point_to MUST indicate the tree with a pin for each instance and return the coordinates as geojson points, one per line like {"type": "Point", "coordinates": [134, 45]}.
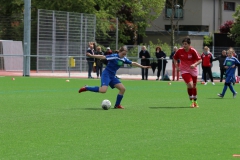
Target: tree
{"type": "Point", "coordinates": [11, 26]}
{"type": "Point", "coordinates": [235, 30]}
{"type": "Point", "coordinates": [225, 28]}
{"type": "Point", "coordinates": [134, 16]}
{"type": "Point", "coordinates": [207, 40]}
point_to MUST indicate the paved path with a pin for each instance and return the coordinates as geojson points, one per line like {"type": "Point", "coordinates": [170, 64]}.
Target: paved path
{"type": "Point", "coordinates": [75, 75]}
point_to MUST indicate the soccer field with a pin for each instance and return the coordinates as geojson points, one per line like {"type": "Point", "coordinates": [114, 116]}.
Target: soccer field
{"type": "Point", "coordinates": [46, 118]}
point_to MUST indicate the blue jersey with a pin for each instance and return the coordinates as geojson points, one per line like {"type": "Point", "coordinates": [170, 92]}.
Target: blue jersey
{"type": "Point", "coordinates": [230, 62]}
{"type": "Point", "coordinates": [115, 62]}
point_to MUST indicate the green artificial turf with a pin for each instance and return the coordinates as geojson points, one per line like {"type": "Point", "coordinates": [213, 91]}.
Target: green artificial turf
{"type": "Point", "coordinates": [46, 118]}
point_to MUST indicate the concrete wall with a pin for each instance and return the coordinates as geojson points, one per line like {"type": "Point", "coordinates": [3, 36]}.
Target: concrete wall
{"type": "Point", "coordinates": [15, 62]}
{"type": "Point", "coordinates": [197, 43]}
{"type": "Point", "coordinates": [207, 13]}
{"type": "Point", "coordinates": [192, 13]}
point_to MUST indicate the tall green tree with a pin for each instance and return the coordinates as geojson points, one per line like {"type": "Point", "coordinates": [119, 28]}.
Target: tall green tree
{"type": "Point", "coordinates": [235, 30]}
{"type": "Point", "coordinates": [134, 16]}
{"type": "Point", "coordinates": [11, 25]}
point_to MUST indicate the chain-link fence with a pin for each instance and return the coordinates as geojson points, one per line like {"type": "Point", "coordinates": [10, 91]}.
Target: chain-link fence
{"type": "Point", "coordinates": [63, 34]}
{"type": "Point", "coordinates": [56, 36]}
{"type": "Point", "coordinates": [13, 60]}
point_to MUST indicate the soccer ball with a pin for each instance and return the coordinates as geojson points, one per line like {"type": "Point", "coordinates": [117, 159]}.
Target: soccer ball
{"type": "Point", "coordinates": [106, 104]}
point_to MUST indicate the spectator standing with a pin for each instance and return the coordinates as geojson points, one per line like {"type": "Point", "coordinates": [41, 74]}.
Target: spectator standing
{"type": "Point", "coordinates": [108, 52]}
{"type": "Point", "coordinates": [161, 61]}
{"type": "Point", "coordinates": [144, 55]}
{"type": "Point", "coordinates": [99, 64]}
{"type": "Point", "coordinates": [90, 60]}
{"type": "Point", "coordinates": [221, 60]}
{"type": "Point", "coordinates": [174, 70]}
{"type": "Point", "coordinates": [207, 59]}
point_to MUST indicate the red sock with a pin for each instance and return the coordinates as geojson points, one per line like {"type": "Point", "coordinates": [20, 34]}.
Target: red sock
{"type": "Point", "coordinates": [194, 90]}
{"type": "Point", "coordinates": [190, 92]}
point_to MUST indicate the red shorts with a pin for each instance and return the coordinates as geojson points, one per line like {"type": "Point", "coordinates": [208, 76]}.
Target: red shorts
{"type": "Point", "coordinates": [187, 77]}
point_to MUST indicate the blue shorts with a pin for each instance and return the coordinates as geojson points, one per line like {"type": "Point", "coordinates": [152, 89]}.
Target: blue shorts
{"type": "Point", "coordinates": [230, 79]}
{"type": "Point", "coordinates": [109, 80]}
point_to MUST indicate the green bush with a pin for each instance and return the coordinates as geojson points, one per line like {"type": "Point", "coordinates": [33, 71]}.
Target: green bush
{"type": "Point", "coordinates": [207, 40]}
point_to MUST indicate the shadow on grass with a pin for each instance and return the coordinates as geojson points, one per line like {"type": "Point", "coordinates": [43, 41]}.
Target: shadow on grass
{"type": "Point", "coordinates": [216, 98]}
{"type": "Point", "coordinates": [92, 109]}
{"type": "Point", "coordinates": [169, 107]}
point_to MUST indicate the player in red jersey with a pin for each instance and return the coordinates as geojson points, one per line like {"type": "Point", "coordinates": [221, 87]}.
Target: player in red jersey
{"type": "Point", "coordinates": [189, 59]}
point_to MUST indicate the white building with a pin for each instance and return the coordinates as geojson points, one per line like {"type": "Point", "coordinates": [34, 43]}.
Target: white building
{"type": "Point", "coordinates": [196, 19]}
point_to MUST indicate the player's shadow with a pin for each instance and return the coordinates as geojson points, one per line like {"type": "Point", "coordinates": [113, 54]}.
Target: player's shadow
{"type": "Point", "coordinates": [90, 109]}
{"type": "Point", "coordinates": [215, 98]}
{"type": "Point", "coordinates": [169, 107]}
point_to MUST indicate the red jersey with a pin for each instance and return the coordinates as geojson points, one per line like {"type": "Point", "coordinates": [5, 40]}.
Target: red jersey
{"type": "Point", "coordinates": [186, 60]}
{"type": "Point", "coordinates": [206, 60]}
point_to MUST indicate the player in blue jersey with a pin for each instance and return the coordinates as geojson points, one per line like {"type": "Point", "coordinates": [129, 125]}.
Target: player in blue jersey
{"type": "Point", "coordinates": [115, 61]}
{"type": "Point", "coordinates": [230, 64]}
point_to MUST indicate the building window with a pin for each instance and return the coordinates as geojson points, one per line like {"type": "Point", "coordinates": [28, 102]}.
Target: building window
{"type": "Point", "coordinates": [174, 7]}
{"type": "Point", "coordinates": [229, 6]}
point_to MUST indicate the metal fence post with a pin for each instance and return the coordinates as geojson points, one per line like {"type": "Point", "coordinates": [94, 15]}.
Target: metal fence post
{"type": "Point", "coordinates": [53, 39]}
{"type": "Point", "coordinates": [81, 40]}
{"type": "Point", "coordinates": [94, 29]}
{"type": "Point", "coordinates": [162, 70]}
{"type": "Point", "coordinates": [38, 41]}
{"type": "Point", "coordinates": [27, 37]}
{"type": "Point", "coordinates": [116, 33]}
{"type": "Point", "coordinates": [67, 47]}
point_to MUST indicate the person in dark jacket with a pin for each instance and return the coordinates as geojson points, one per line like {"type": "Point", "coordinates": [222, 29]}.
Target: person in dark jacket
{"type": "Point", "coordinates": [221, 60]}
{"type": "Point", "coordinates": [90, 60]}
{"type": "Point", "coordinates": [161, 61]}
{"type": "Point", "coordinates": [173, 65]}
{"type": "Point", "coordinates": [108, 52]}
{"type": "Point", "coordinates": [207, 59]}
{"type": "Point", "coordinates": [99, 64]}
{"type": "Point", "coordinates": [144, 55]}
{"type": "Point", "coordinates": [239, 66]}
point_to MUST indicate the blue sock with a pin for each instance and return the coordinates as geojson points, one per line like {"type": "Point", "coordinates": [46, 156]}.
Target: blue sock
{"type": "Point", "coordinates": [119, 99]}
{"type": "Point", "coordinates": [93, 89]}
{"type": "Point", "coordinates": [231, 88]}
{"type": "Point", "coordinates": [224, 90]}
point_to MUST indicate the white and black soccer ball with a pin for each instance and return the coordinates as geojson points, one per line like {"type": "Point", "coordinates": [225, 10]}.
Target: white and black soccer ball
{"type": "Point", "coordinates": [106, 104]}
